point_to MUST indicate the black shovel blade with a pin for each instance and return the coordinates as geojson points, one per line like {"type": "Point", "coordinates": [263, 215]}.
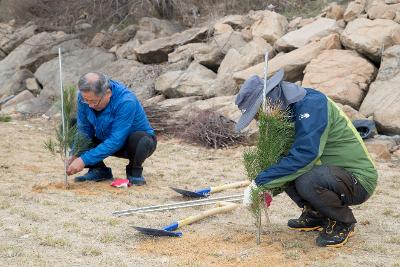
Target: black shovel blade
{"type": "Point", "coordinates": [157, 232]}
{"type": "Point", "coordinates": [187, 193]}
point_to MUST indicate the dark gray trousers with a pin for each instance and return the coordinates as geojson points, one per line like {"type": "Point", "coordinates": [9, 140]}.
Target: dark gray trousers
{"type": "Point", "coordinates": [329, 190]}
{"type": "Point", "coordinates": [138, 146]}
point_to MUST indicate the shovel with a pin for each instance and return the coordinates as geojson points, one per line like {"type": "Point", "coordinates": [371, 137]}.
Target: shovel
{"type": "Point", "coordinates": [205, 192]}
{"type": "Point", "coordinates": [168, 230]}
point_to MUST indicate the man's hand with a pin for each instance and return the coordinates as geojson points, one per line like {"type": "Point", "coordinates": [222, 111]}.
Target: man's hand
{"type": "Point", "coordinates": [70, 160]}
{"type": "Point", "coordinates": [76, 166]}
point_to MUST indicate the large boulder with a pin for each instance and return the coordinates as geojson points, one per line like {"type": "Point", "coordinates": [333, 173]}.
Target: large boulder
{"type": "Point", "coordinates": [293, 62]}
{"type": "Point", "coordinates": [320, 28]}
{"type": "Point", "coordinates": [237, 60]}
{"type": "Point", "coordinates": [10, 38]}
{"type": "Point", "coordinates": [136, 76]}
{"type": "Point", "coordinates": [378, 9]}
{"type": "Point", "coordinates": [383, 98]}
{"type": "Point", "coordinates": [269, 25]}
{"type": "Point", "coordinates": [156, 51]}
{"type": "Point", "coordinates": [16, 83]}
{"type": "Point", "coordinates": [343, 75]}
{"type": "Point", "coordinates": [195, 81]}
{"type": "Point", "coordinates": [37, 48]}
{"type": "Point", "coordinates": [75, 64]}
{"type": "Point", "coordinates": [368, 37]}
{"type": "Point", "coordinates": [209, 54]}
{"type": "Point", "coordinates": [11, 106]}
{"type": "Point", "coordinates": [153, 28]}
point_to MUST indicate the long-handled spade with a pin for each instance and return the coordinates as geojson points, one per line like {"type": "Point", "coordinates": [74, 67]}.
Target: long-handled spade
{"type": "Point", "coordinates": [168, 230]}
{"type": "Point", "coordinates": [205, 192]}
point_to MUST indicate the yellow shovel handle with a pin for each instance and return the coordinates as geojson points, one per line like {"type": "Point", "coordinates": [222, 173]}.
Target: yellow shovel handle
{"type": "Point", "coordinates": [220, 188]}
{"type": "Point", "coordinates": [221, 208]}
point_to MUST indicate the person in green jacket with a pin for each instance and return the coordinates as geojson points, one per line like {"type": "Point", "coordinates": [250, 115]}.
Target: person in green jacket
{"type": "Point", "coordinates": [328, 167]}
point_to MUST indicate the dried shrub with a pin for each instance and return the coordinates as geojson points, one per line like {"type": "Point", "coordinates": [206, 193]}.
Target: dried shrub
{"type": "Point", "coordinates": [211, 129]}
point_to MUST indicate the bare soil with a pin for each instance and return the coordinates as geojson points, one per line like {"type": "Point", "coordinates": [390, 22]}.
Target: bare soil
{"type": "Point", "coordinates": [44, 224]}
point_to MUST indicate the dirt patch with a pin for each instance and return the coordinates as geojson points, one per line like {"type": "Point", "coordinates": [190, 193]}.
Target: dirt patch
{"type": "Point", "coordinates": [85, 188]}
{"type": "Point", "coordinates": [236, 249]}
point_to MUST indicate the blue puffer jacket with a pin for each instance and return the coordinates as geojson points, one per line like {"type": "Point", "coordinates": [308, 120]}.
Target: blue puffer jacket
{"type": "Point", "coordinates": [122, 116]}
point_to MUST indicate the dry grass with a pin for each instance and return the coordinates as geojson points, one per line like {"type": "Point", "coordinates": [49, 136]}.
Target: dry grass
{"type": "Point", "coordinates": [79, 229]}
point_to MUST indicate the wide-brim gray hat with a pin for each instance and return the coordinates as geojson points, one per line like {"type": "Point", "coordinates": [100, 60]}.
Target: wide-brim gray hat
{"type": "Point", "coordinates": [250, 97]}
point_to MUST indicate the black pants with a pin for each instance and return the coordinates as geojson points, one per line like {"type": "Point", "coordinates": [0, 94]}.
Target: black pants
{"type": "Point", "coordinates": [138, 146]}
{"type": "Point", "coordinates": [329, 190]}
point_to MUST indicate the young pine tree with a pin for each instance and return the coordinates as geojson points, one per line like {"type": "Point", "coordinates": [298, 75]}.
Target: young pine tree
{"type": "Point", "coordinates": [68, 141]}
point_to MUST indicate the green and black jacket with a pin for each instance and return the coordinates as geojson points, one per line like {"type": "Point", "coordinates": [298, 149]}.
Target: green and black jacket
{"type": "Point", "coordinates": [323, 135]}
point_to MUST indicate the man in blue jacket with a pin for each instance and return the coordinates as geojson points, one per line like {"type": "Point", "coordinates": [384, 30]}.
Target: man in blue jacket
{"type": "Point", "coordinates": [112, 117]}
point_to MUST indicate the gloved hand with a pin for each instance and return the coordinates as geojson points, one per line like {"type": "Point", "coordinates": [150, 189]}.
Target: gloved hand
{"type": "Point", "coordinates": [247, 194]}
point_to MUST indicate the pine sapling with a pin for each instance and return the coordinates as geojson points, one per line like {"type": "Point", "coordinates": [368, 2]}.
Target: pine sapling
{"type": "Point", "coordinates": [276, 134]}
{"type": "Point", "coordinates": [69, 142]}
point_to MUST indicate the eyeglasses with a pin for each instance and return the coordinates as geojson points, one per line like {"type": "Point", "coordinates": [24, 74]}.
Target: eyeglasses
{"type": "Point", "coordinates": [91, 102]}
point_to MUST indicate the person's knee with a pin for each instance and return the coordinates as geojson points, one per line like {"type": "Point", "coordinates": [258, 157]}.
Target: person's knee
{"type": "Point", "coordinates": [306, 183]}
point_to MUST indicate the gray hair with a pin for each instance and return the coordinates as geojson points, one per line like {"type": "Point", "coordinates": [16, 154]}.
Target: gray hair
{"type": "Point", "coordinates": [95, 82]}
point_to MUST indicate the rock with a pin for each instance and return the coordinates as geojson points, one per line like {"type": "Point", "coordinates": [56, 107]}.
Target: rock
{"type": "Point", "coordinates": [380, 10]}
{"type": "Point", "coordinates": [294, 24]}
{"type": "Point", "coordinates": [101, 39]}
{"type": "Point", "coordinates": [220, 28]}
{"type": "Point", "coordinates": [351, 112]}
{"type": "Point", "coordinates": [392, 2]}
{"type": "Point", "coordinates": [195, 81]}
{"type": "Point", "coordinates": [75, 64]}
{"type": "Point", "coordinates": [32, 85]}
{"type": "Point", "coordinates": [16, 84]}
{"type": "Point", "coordinates": [379, 149]}
{"type": "Point", "coordinates": [34, 61]}
{"type": "Point", "coordinates": [11, 39]}
{"type": "Point", "coordinates": [269, 25]}
{"type": "Point", "coordinates": [177, 103]}
{"type": "Point", "coordinates": [334, 11]}
{"type": "Point", "coordinates": [234, 21]}
{"type": "Point", "coordinates": [343, 75]}
{"type": "Point", "coordinates": [136, 76]}
{"type": "Point", "coordinates": [354, 10]}
{"type": "Point", "coordinates": [293, 62]}
{"type": "Point", "coordinates": [10, 106]}
{"type": "Point", "coordinates": [383, 98]}
{"type": "Point", "coordinates": [369, 36]}
{"type": "Point", "coordinates": [120, 37]}
{"type": "Point", "coordinates": [33, 106]}
{"type": "Point", "coordinates": [251, 54]}
{"type": "Point", "coordinates": [154, 100]}
{"type": "Point", "coordinates": [208, 54]}
{"type": "Point", "coordinates": [127, 50]}
{"type": "Point", "coordinates": [29, 51]}
{"type": "Point", "coordinates": [299, 38]}
{"type": "Point", "coordinates": [157, 51]}
{"type": "Point", "coordinates": [153, 28]}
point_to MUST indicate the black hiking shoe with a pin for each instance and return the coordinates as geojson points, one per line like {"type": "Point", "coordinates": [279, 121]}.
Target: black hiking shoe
{"type": "Point", "coordinates": [96, 175]}
{"type": "Point", "coordinates": [309, 220]}
{"type": "Point", "coordinates": [335, 234]}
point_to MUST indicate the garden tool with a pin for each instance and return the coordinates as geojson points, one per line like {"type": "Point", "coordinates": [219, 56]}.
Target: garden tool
{"type": "Point", "coordinates": [168, 230]}
{"type": "Point", "coordinates": [205, 192]}
{"type": "Point", "coordinates": [178, 205]}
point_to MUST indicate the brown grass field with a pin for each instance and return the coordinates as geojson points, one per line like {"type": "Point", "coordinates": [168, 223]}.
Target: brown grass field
{"type": "Point", "coordinates": [44, 224]}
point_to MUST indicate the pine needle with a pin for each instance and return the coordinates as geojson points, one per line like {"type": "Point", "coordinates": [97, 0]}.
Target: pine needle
{"type": "Point", "coordinates": [276, 134]}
